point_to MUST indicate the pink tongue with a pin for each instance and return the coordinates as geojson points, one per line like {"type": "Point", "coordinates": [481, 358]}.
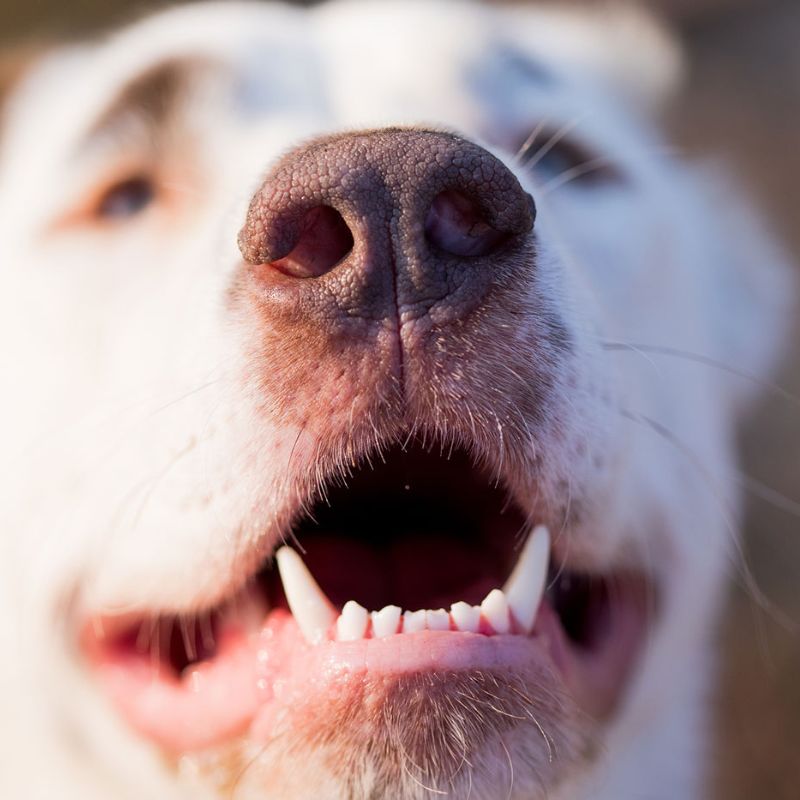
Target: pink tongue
{"type": "Point", "coordinates": [417, 571]}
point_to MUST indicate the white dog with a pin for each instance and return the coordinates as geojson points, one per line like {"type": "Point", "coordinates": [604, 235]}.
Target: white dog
{"type": "Point", "coordinates": [416, 289]}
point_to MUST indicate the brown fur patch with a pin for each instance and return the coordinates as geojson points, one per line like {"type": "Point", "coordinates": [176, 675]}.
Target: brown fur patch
{"type": "Point", "coordinates": [154, 95]}
{"type": "Point", "coordinates": [15, 62]}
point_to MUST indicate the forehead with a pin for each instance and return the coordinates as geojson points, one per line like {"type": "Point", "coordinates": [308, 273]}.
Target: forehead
{"type": "Point", "coordinates": [345, 64]}
{"type": "Point", "coordinates": [361, 62]}
{"type": "Point", "coordinates": [351, 60]}
{"type": "Point", "coordinates": [429, 58]}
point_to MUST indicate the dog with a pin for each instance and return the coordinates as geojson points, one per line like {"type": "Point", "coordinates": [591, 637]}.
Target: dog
{"type": "Point", "coordinates": [361, 432]}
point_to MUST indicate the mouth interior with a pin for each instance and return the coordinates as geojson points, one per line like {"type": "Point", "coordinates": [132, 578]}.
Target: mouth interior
{"type": "Point", "coordinates": [416, 529]}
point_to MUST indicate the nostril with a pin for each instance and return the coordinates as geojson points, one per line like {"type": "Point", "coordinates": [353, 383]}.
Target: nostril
{"type": "Point", "coordinates": [456, 225]}
{"type": "Point", "coordinates": [323, 241]}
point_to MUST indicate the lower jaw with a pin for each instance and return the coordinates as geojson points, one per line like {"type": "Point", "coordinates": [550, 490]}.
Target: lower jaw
{"type": "Point", "coordinates": [261, 680]}
{"type": "Point", "coordinates": [357, 730]}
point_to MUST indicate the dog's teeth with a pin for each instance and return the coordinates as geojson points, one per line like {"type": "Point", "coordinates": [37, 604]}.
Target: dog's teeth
{"type": "Point", "coordinates": [352, 624]}
{"type": "Point", "coordinates": [437, 620]}
{"type": "Point", "coordinates": [525, 587]}
{"type": "Point", "coordinates": [495, 609]}
{"type": "Point", "coordinates": [310, 606]}
{"type": "Point", "coordinates": [465, 616]}
{"type": "Point", "coordinates": [385, 622]}
{"type": "Point", "coordinates": [414, 621]}
{"type": "Point", "coordinates": [519, 600]}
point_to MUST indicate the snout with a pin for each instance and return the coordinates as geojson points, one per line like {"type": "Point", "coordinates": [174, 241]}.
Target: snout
{"type": "Point", "coordinates": [386, 269]}
{"type": "Point", "coordinates": [385, 224]}
{"type": "Point", "coordinates": [391, 303]}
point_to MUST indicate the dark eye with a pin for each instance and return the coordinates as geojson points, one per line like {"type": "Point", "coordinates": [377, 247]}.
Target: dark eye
{"type": "Point", "coordinates": [557, 160]}
{"type": "Point", "coordinates": [127, 198]}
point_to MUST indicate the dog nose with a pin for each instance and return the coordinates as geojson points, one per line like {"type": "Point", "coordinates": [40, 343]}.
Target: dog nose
{"type": "Point", "coordinates": [386, 223]}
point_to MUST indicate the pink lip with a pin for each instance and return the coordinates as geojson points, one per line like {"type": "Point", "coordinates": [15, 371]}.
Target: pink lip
{"type": "Point", "coordinates": [255, 677]}
{"type": "Point", "coordinates": [260, 673]}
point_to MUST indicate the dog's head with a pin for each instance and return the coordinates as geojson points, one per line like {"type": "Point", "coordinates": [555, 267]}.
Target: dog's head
{"type": "Point", "coordinates": [416, 289]}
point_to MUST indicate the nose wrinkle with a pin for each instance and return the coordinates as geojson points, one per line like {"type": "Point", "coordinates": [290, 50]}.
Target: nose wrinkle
{"type": "Point", "coordinates": [415, 311]}
{"type": "Point", "coordinates": [428, 321]}
{"type": "Point", "coordinates": [384, 184]}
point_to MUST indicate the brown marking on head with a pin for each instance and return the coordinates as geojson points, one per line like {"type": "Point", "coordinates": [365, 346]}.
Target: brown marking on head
{"type": "Point", "coordinates": [154, 96]}
{"type": "Point", "coordinates": [15, 63]}
{"type": "Point", "coordinates": [149, 145]}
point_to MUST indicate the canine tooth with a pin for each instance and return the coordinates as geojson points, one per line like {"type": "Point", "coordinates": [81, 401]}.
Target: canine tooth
{"type": "Point", "coordinates": [495, 608]}
{"type": "Point", "coordinates": [352, 624]}
{"type": "Point", "coordinates": [437, 620]}
{"type": "Point", "coordinates": [386, 621]}
{"type": "Point", "coordinates": [525, 587]}
{"type": "Point", "coordinates": [310, 606]}
{"type": "Point", "coordinates": [414, 621]}
{"type": "Point", "coordinates": [465, 616]}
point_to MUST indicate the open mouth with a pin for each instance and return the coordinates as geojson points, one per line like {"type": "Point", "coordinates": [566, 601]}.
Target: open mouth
{"type": "Point", "coordinates": [420, 563]}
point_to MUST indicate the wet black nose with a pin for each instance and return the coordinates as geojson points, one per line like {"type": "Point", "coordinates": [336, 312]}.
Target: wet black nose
{"type": "Point", "coordinates": [391, 222]}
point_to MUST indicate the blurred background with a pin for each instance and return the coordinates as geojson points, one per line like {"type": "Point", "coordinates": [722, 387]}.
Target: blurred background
{"type": "Point", "coordinates": [741, 103]}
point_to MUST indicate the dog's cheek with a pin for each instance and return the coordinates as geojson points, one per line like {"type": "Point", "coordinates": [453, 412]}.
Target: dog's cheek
{"type": "Point", "coordinates": [119, 416]}
{"type": "Point", "coordinates": [755, 288]}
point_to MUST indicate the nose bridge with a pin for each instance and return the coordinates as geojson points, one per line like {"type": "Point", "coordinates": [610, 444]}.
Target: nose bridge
{"type": "Point", "coordinates": [429, 216]}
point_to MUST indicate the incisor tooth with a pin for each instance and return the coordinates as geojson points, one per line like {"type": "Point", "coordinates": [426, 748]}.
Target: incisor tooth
{"type": "Point", "coordinates": [414, 621]}
{"type": "Point", "coordinates": [465, 616]}
{"type": "Point", "coordinates": [386, 621]}
{"type": "Point", "coordinates": [309, 605]}
{"type": "Point", "coordinates": [495, 609]}
{"type": "Point", "coordinates": [525, 587]}
{"type": "Point", "coordinates": [437, 620]}
{"type": "Point", "coordinates": [352, 624]}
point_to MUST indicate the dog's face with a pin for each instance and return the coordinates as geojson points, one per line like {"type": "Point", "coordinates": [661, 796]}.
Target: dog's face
{"type": "Point", "coordinates": [242, 311]}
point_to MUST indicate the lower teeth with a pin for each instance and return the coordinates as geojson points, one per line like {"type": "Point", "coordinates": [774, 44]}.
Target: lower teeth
{"type": "Point", "coordinates": [510, 610]}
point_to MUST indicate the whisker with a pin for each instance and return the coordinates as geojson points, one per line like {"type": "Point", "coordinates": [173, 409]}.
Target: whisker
{"type": "Point", "coordinates": [185, 396]}
{"type": "Point", "coordinates": [207, 631]}
{"type": "Point", "coordinates": [155, 647]}
{"type": "Point", "coordinates": [728, 516]}
{"type": "Point", "coordinates": [574, 173]}
{"type": "Point", "coordinates": [529, 142]}
{"type": "Point", "coordinates": [709, 361]}
{"type": "Point", "coordinates": [182, 188]}
{"type": "Point", "coordinates": [510, 769]}
{"type": "Point", "coordinates": [188, 636]}
{"type": "Point", "coordinates": [753, 485]}
{"type": "Point", "coordinates": [769, 495]}
{"type": "Point", "coordinates": [553, 141]}
{"type": "Point", "coordinates": [145, 635]}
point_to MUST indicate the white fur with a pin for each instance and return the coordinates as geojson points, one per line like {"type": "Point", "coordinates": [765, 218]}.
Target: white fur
{"type": "Point", "coordinates": [122, 419]}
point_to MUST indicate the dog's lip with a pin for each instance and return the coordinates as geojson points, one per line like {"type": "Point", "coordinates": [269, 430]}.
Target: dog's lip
{"type": "Point", "coordinates": [262, 674]}
{"type": "Point", "coordinates": [258, 677]}
{"type": "Point", "coordinates": [261, 666]}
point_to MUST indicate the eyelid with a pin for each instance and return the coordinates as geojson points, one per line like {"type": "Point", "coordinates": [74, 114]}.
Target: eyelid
{"type": "Point", "coordinates": [84, 208]}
